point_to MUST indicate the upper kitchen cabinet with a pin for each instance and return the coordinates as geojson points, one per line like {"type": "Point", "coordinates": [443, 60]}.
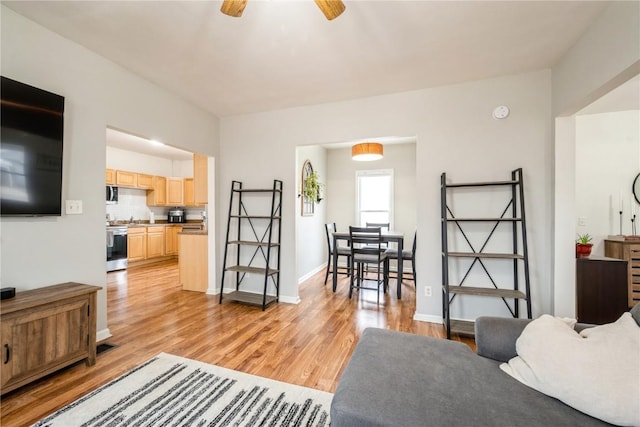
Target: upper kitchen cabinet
{"type": "Point", "coordinates": [145, 181]}
{"type": "Point", "coordinates": [126, 179]}
{"type": "Point", "coordinates": [175, 191]}
{"type": "Point", "coordinates": [110, 177]}
{"type": "Point", "coordinates": [157, 196]}
{"type": "Point", "coordinates": [200, 177]}
{"type": "Point", "coordinates": [189, 195]}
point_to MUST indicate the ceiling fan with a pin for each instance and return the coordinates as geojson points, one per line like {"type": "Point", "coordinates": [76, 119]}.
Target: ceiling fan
{"type": "Point", "coordinates": [331, 8]}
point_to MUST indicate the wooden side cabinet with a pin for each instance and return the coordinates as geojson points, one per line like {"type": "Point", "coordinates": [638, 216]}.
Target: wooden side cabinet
{"type": "Point", "coordinates": [601, 289]}
{"type": "Point", "coordinates": [46, 329]}
{"type": "Point", "coordinates": [628, 250]}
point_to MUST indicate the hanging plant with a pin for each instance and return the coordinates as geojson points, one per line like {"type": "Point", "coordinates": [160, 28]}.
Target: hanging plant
{"type": "Point", "coordinates": [313, 188]}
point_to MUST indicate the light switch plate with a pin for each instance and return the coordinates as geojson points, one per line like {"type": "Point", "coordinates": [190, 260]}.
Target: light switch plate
{"type": "Point", "coordinates": [73, 207]}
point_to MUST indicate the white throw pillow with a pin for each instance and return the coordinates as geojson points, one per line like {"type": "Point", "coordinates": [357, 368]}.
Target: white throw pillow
{"type": "Point", "coordinates": [596, 372]}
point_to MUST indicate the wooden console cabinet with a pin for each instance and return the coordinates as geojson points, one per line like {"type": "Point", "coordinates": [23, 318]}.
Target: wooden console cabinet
{"type": "Point", "coordinates": [628, 250]}
{"type": "Point", "coordinates": [46, 329]}
{"type": "Point", "coordinates": [601, 289]}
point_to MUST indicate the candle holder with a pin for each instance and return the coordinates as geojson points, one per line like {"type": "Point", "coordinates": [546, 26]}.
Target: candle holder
{"type": "Point", "coordinates": [620, 223]}
{"type": "Point", "coordinates": [633, 225]}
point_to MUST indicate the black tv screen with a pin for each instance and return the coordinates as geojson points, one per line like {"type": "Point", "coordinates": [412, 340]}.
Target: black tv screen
{"type": "Point", "coordinates": [30, 150]}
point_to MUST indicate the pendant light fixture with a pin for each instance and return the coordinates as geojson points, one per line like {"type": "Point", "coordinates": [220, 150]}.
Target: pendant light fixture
{"type": "Point", "coordinates": [366, 151]}
{"type": "Point", "coordinates": [330, 8]}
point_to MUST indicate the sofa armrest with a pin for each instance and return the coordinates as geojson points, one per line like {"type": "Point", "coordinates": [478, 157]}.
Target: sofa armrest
{"type": "Point", "coordinates": [496, 336]}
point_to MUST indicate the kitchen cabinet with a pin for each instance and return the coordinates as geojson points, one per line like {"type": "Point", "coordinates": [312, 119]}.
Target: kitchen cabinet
{"type": "Point", "coordinates": [193, 261]}
{"type": "Point", "coordinates": [157, 196]}
{"type": "Point", "coordinates": [189, 195]}
{"type": "Point", "coordinates": [110, 177]}
{"type": "Point", "coordinates": [200, 178]}
{"type": "Point", "coordinates": [46, 329]}
{"type": "Point", "coordinates": [171, 239]}
{"type": "Point", "coordinates": [145, 181]}
{"type": "Point", "coordinates": [126, 179]}
{"type": "Point", "coordinates": [175, 192]}
{"type": "Point", "coordinates": [136, 243]}
{"type": "Point", "coordinates": [155, 241]}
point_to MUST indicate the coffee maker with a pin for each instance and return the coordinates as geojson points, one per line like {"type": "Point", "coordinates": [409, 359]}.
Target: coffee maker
{"type": "Point", "coordinates": [176, 216]}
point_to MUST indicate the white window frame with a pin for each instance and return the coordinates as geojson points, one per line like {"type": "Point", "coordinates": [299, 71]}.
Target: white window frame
{"type": "Point", "coordinates": [375, 172]}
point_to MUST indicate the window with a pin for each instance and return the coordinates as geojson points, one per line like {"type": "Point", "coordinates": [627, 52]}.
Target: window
{"type": "Point", "coordinates": [374, 196]}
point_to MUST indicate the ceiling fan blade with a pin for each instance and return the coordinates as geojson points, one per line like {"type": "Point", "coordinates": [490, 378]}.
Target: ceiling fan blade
{"type": "Point", "coordinates": [331, 8]}
{"type": "Point", "coordinates": [233, 7]}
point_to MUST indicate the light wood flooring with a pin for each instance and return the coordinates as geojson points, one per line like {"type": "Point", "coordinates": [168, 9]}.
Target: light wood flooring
{"type": "Point", "coordinates": [307, 344]}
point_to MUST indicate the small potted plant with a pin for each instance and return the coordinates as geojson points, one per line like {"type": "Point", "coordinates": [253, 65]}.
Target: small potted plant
{"type": "Point", "coordinates": [583, 246]}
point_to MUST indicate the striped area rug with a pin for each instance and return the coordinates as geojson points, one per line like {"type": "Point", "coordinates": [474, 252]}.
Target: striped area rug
{"type": "Point", "coordinates": [173, 391]}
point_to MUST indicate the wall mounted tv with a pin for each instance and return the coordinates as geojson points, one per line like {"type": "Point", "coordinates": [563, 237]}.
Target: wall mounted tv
{"type": "Point", "coordinates": [30, 150]}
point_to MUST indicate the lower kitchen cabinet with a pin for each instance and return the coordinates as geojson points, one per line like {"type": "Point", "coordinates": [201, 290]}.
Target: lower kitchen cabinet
{"type": "Point", "coordinates": [136, 243]}
{"type": "Point", "coordinates": [46, 329]}
{"type": "Point", "coordinates": [171, 239]}
{"type": "Point", "coordinates": [155, 242]}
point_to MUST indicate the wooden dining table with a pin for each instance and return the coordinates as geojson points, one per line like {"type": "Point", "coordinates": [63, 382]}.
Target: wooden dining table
{"type": "Point", "coordinates": [387, 236]}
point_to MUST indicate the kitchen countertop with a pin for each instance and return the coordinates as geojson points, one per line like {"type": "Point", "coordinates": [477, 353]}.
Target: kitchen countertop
{"type": "Point", "coordinates": [146, 224]}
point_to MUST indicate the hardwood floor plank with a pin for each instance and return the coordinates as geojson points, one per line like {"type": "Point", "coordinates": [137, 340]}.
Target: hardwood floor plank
{"type": "Point", "coordinates": [307, 344]}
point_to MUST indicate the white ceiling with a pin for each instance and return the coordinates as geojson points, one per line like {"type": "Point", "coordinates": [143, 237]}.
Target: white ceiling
{"type": "Point", "coordinates": [285, 53]}
{"type": "Point", "coordinates": [625, 97]}
{"type": "Point", "coordinates": [126, 141]}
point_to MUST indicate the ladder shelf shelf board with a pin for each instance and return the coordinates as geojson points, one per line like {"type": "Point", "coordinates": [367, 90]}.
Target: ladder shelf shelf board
{"type": "Point", "coordinates": [516, 252]}
{"type": "Point", "coordinates": [255, 239]}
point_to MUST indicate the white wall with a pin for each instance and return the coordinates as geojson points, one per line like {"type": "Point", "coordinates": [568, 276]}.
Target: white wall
{"type": "Point", "coordinates": [455, 133]}
{"type": "Point", "coordinates": [310, 231]}
{"type": "Point", "coordinates": [341, 186]}
{"type": "Point", "coordinates": [607, 162]}
{"type": "Point", "coordinates": [37, 252]}
{"type": "Point", "coordinates": [607, 55]}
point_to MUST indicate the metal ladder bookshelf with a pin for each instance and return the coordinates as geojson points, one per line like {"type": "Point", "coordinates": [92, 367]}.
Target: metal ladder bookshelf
{"type": "Point", "coordinates": [513, 213]}
{"type": "Point", "coordinates": [256, 239]}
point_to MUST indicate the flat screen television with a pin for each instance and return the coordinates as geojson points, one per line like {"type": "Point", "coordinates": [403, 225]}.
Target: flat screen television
{"type": "Point", "coordinates": [30, 150]}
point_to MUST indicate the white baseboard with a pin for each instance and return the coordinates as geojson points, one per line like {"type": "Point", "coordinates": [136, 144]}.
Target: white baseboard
{"type": "Point", "coordinates": [428, 318]}
{"type": "Point", "coordinates": [311, 273]}
{"type": "Point", "coordinates": [103, 334]}
{"type": "Point", "coordinates": [290, 300]}
{"type": "Point", "coordinates": [212, 291]}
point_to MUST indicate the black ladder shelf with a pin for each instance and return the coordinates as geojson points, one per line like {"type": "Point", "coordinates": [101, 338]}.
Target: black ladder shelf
{"type": "Point", "coordinates": [256, 239]}
{"type": "Point", "coordinates": [513, 213]}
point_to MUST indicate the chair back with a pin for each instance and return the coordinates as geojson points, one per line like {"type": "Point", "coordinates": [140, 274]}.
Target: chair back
{"type": "Point", "coordinates": [329, 229]}
{"type": "Point", "coordinates": [366, 241]}
{"type": "Point", "coordinates": [413, 248]}
{"type": "Point", "coordinates": [381, 225]}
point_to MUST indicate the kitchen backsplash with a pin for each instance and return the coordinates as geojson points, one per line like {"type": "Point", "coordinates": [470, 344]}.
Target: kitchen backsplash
{"type": "Point", "coordinates": [133, 203]}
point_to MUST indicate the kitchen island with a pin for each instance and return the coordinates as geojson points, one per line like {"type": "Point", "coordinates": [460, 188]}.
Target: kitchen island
{"type": "Point", "coordinates": [193, 259]}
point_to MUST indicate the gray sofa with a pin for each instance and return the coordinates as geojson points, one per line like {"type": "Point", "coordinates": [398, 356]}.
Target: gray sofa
{"type": "Point", "coordinates": [399, 379]}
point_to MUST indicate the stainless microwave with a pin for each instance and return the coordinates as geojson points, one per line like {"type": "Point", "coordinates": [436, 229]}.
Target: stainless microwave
{"type": "Point", "coordinates": [112, 195]}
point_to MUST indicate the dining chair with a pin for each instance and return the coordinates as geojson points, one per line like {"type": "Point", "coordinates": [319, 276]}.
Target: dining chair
{"type": "Point", "coordinates": [366, 250]}
{"type": "Point", "coordinates": [344, 251]}
{"type": "Point", "coordinates": [407, 255]}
